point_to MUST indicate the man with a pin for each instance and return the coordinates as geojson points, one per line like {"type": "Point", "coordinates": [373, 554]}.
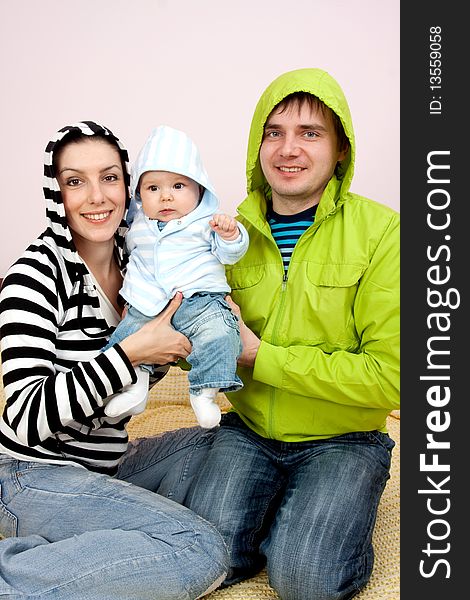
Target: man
{"type": "Point", "coordinates": [296, 471]}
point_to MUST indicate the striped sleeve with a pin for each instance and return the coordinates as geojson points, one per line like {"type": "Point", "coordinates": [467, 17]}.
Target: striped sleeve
{"type": "Point", "coordinates": [44, 398]}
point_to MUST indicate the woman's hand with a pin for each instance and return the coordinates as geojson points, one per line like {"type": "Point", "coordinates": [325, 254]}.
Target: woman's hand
{"type": "Point", "coordinates": [250, 341]}
{"type": "Point", "coordinates": [157, 342]}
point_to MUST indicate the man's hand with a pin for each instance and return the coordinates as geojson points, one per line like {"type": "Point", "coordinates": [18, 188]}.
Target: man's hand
{"type": "Point", "coordinates": [250, 342]}
{"type": "Point", "coordinates": [225, 226]}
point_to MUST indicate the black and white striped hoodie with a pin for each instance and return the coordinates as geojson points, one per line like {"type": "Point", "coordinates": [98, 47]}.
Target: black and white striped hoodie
{"type": "Point", "coordinates": [52, 329]}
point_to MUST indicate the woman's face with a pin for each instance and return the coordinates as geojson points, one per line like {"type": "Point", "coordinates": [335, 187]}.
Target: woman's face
{"type": "Point", "coordinates": [93, 190]}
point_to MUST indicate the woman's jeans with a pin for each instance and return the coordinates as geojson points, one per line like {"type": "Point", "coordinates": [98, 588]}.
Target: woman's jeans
{"type": "Point", "coordinates": [72, 534]}
{"type": "Point", "coordinates": [208, 322]}
{"type": "Point", "coordinates": [307, 510]}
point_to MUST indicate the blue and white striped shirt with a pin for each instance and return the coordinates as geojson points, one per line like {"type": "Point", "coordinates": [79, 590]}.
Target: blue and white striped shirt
{"type": "Point", "coordinates": [287, 229]}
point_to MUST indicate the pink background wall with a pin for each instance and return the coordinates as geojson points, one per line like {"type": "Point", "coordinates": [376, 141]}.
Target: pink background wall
{"type": "Point", "coordinates": [199, 66]}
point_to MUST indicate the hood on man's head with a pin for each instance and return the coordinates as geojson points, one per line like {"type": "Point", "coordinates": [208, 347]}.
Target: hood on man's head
{"type": "Point", "coordinates": [313, 81]}
{"type": "Point", "coordinates": [56, 220]}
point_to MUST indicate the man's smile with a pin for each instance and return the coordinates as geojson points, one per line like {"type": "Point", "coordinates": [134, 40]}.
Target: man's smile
{"type": "Point", "coordinates": [290, 169]}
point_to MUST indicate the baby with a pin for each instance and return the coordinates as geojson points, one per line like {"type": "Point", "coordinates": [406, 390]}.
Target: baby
{"type": "Point", "coordinates": [179, 242]}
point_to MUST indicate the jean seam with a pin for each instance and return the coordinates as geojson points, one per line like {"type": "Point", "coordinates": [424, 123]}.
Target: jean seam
{"type": "Point", "coordinates": [262, 522]}
{"type": "Point", "coordinates": [11, 519]}
{"type": "Point", "coordinates": [102, 570]}
{"type": "Point", "coordinates": [125, 501]}
{"type": "Point", "coordinates": [202, 441]}
{"type": "Point", "coordinates": [377, 439]}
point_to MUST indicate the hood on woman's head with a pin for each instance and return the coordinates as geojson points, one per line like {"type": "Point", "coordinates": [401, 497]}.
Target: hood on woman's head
{"type": "Point", "coordinates": [57, 226]}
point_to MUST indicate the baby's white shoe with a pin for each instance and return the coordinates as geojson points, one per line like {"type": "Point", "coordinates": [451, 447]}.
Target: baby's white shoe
{"type": "Point", "coordinates": [132, 399]}
{"type": "Point", "coordinates": [206, 408]}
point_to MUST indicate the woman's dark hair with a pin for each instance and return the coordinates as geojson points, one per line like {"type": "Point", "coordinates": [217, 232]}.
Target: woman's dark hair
{"type": "Point", "coordinates": [75, 137]}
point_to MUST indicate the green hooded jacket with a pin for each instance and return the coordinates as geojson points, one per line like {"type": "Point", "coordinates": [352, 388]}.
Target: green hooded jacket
{"type": "Point", "coordinates": [328, 362]}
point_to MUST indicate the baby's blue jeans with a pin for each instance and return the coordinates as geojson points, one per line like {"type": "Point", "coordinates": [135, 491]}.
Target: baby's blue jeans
{"type": "Point", "coordinates": [207, 321]}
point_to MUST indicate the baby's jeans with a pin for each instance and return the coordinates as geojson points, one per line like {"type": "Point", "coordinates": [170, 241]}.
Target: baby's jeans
{"type": "Point", "coordinates": [208, 322]}
{"type": "Point", "coordinates": [132, 322]}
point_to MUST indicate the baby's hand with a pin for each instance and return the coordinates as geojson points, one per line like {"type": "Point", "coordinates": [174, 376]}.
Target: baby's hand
{"type": "Point", "coordinates": [225, 226]}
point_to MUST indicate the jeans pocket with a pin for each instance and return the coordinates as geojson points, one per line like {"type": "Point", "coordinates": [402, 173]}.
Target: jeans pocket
{"type": "Point", "coordinates": [8, 521]}
{"type": "Point", "coordinates": [383, 439]}
{"type": "Point", "coordinates": [229, 318]}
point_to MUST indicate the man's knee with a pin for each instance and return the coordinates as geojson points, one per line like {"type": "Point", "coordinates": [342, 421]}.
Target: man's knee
{"type": "Point", "coordinates": [300, 578]}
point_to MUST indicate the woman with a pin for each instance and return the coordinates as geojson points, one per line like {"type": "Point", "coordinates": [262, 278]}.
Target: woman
{"type": "Point", "coordinates": [74, 525]}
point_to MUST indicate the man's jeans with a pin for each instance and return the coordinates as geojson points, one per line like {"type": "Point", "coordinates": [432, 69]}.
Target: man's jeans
{"type": "Point", "coordinates": [79, 535]}
{"type": "Point", "coordinates": [208, 322]}
{"type": "Point", "coordinates": [307, 510]}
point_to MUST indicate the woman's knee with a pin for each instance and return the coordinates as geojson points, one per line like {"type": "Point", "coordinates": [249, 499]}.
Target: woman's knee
{"type": "Point", "coordinates": [114, 563]}
{"type": "Point", "coordinates": [212, 542]}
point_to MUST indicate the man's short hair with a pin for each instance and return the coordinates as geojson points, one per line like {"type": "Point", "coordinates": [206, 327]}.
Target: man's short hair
{"type": "Point", "coordinates": [298, 99]}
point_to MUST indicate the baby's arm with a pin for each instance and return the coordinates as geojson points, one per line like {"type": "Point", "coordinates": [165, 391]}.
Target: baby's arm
{"type": "Point", "coordinates": [225, 226]}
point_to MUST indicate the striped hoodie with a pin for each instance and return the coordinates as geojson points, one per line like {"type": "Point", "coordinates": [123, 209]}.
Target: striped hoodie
{"type": "Point", "coordinates": [52, 330]}
{"type": "Point", "coordinates": [186, 255]}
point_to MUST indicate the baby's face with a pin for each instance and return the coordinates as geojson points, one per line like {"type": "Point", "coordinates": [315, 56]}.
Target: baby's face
{"type": "Point", "coordinates": [167, 196]}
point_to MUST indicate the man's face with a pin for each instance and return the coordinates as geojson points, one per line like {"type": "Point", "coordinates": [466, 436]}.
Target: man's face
{"type": "Point", "coordinates": [298, 156]}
